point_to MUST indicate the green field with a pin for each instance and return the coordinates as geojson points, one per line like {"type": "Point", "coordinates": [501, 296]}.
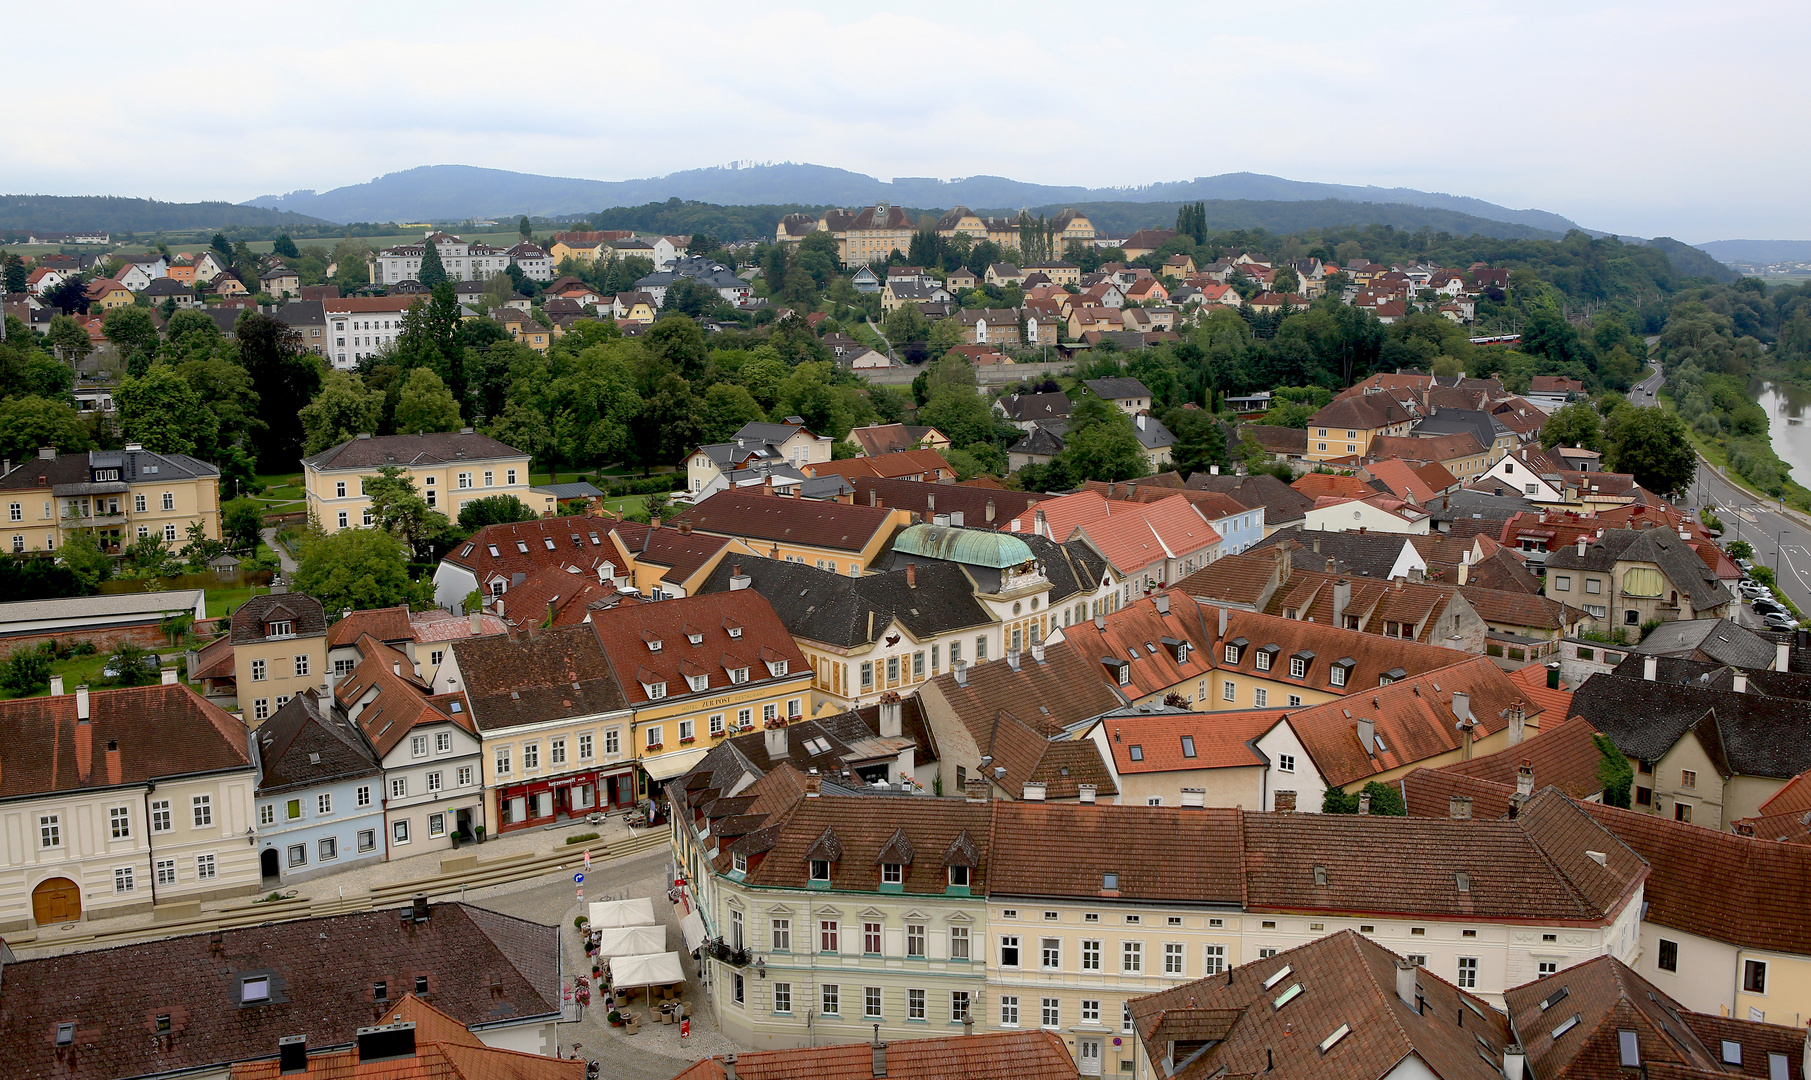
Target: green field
{"type": "Point", "coordinates": [282, 493]}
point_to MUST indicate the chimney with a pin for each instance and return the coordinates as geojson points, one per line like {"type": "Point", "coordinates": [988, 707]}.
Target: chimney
{"type": "Point", "coordinates": [1782, 656]}
{"type": "Point", "coordinates": [1581, 546]}
{"type": "Point", "coordinates": [1037, 652]}
{"type": "Point", "coordinates": [1222, 622]}
{"type": "Point", "coordinates": [738, 580]}
{"type": "Point", "coordinates": [873, 497]}
{"type": "Point", "coordinates": [956, 518]}
{"type": "Point", "coordinates": [1034, 791]}
{"type": "Point", "coordinates": [81, 702]}
{"type": "Point", "coordinates": [418, 908]}
{"type": "Point", "coordinates": [1213, 470]}
{"type": "Point", "coordinates": [814, 785]}
{"type": "Point", "coordinates": [1462, 706]}
{"type": "Point", "coordinates": [169, 676]}
{"type": "Point", "coordinates": [729, 1066]}
{"type": "Point", "coordinates": [47, 453]}
{"type": "Point", "coordinates": [1459, 809]}
{"type": "Point", "coordinates": [1342, 596]}
{"type": "Point", "coordinates": [959, 669]}
{"type": "Point", "coordinates": [1364, 802]}
{"type": "Point", "coordinates": [890, 709]}
{"type": "Point", "coordinates": [1141, 419]}
{"type": "Point", "coordinates": [278, 586]}
{"type": "Point", "coordinates": [990, 509]}
{"type": "Point", "coordinates": [1515, 1061]}
{"type": "Point", "coordinates": [1524, 779]}
{"type": "Point", "coordinates": [880, 1053]}
{"type": "Point", "coordinates": [1085, 792]}
{"type": "Point", "coordinates": [1518, 724]}
{"type": "Point", "coordinates": [292, 1054]}
{"type": "Point", "coordinates": [776, 742]}
{"type": "Point", "coordinates": [1650, 667]}
{"type": "Point", "coordinates": [1741, 682]}
{"type": "Point", "coordinates": [56, 686]}
{"type": "Point", "coordinates": [975, 788]}
{"type": "Point", "coordinates": [1553, 675]}
{"type": "Point", "coordinates": [396, 668]}
{"type": "Point", "coordinates": [385, 1042]}
{"type": "Point", "coordinates": [1040, 526]}
{"type": "Point", "coordinates": [911, 575]}
{"type": "Point", "coordinates": [1405, 982]}
{"type": "Point", "coordinates": [1367, 734]}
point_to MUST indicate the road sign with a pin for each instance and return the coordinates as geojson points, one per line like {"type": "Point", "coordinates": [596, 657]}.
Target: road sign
{"type": "Point", "coordinates": [578, 879]}
{"type": "Point", "coordinates": [685, 1027]}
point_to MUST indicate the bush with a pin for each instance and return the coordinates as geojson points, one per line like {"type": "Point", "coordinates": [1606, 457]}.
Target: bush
{"type": "Point", "coordinates": [648, 485]}
{"type": "Point", "coordinates": [581, 838]}
{"type": "Point", "coordinates": [82, 648]}
{"type": "Point", "coordinates": [24, 671]}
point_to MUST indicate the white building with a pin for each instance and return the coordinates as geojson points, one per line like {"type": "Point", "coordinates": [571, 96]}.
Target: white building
{"type": "Point", "coordinates": [462, 260]}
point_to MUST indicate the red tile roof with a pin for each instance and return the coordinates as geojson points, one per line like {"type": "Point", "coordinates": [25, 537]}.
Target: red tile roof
{"type": "Point", "coordinates": [733, 630]}
{"type": "Point", "coordinates": [1217, 740]}
{"type": "Point", "coordinates": [1150, 533]}
{"type": "Point", "coordinates": [810, 522]}
{"type": "Point", "coordinates": [1149, 641]}
{"type": "Point", "coordinates": [1023, 1055]}
{"type": "Point", "coordinates": [1138, 844]}
{"type": "Point", "coordinates": [1318, 485]}
{"type": "Point", "coordinates": [544, 675]}
{"type": "Point", "coordinates": [391, 700]}
{"type": "Point", "coordinates": [1402, 480]}
{"type": "Point", "coordinates": [1554, 703]}
{"type": "Point", "coordinates": [909, 464]}
{"type": "Point", "coordinates": [163, 730]}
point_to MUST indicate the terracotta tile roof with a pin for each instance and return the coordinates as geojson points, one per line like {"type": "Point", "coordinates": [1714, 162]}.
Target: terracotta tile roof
{"type": "Point", "coordinates": [1064, 689]}
{"type": "Point", "coordinates": [628, 633]}
{"type": "Point", "coordinates": [562, 672]}
{"type": "Point", "coordinates": [1435, 476]}
{"type": "Point", "coordinates": [1430, 793]}
{"type": "Point", "coordinates": [1520, 609]}
{"type": "Point", "coordinates": [1243, 580]}
{"type": "Point", "coordinates": [521, 547]}
{"type": "Point", "coordinates": [1375, 604]}
{"type": "Point", "coordinates": [321, 973]}
{"type": "Point", "coordinates": [1319, 485]}
{"type": "Point", "coordinates": [432, 448]}
{"type": "Point", "coordinates": [1150, 533]}
{"type": "Point", "coordinates": [438, 624]}
{"type": "Point", "coordinates": [1794, 798]}
{"type": "Point", "coordinates": [907, 464]}
{"type": "Point", "coordinates": [1155, 853]}
{"type": "Point", "coordinates": [1401, 479]}
{"type": "Point", "coordinates": [1063, 514]}
{"type": "Point", "coordinates": [444, 1050]}
{"type": "Point", "coordinates": [1763, 887]}
{"type": "Point", "coordinates": [1534, 867]}
{"type": "Point", "coordinates": [385, 697]}
{"type": "Point", "coordinates": [1573, 1025]}
{"type": "Point", "coordinates": [1148, 636]}
{"type": "Point", "coordinates": [160, 731]}
{"type": "Point", "coordinates": [798, 521]}
{"type": "Point", "coordinates": [1212, 505]}
{"type": "Point", "coordinates": [564, 593]}
{"type": "Point", "coordinates": [1425, 448]}
{"type": "Point", "coordinates": [1029, 1055]}
{"type": "Point", "coordinates": [1554, 703]}
{"type": "Point", "coordinates": [385, 624]}
{"type": "Point", "coordinates": [1216, 740]}
{"type": "Point", "coordinates": [215, 660]}
{"type": "Point", "coordinates": [1348, 984]}
{"type": "Point", "coordinates": [1414, 717]}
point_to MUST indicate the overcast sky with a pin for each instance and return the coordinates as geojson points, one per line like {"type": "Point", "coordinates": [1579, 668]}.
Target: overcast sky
{"type": "Point", "coordinates": [1651, 118]}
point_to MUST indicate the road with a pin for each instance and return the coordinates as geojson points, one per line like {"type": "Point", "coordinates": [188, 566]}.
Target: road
{"type": "Point", "coordinates": [1747, 517]}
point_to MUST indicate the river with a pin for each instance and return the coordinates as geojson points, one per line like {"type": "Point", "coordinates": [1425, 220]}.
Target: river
{"type": "Point", "coordinates": [1788, 412]}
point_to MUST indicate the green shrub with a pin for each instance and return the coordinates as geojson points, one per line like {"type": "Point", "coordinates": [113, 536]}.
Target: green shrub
{"type": "Point", "coordinates": [581, 838]}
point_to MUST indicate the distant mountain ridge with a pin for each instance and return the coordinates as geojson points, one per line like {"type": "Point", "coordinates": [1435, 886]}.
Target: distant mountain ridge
{"type": "Point", "coordinates": [114, 213]}
{"type": "Point", "coordinates": [453, 192]}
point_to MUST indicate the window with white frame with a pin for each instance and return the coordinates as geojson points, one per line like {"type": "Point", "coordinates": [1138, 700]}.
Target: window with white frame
{"type": "Point", "coordinates": [323, 804]}
{"type": "Point", "coordinates": [1213, 960]}
{"type": "Point", "coordinates": [202, 808]}
{"type": "Point", "coordinates": [502, 761]}
{"type": "Point", "coordinates": [782, 997]}
{"type": "Point", "coordinates": [122, 879]}
{"type": "Point", "coordinates": [1091, 955]}
{"type": "Point", "coordinates": [119, 821]}
{"type": "Point", "coordinates": [959, 1003]}
{"type": "Point", "coordinates": [166, 872]}
{"type": "Point", "coordinates": [780, 935]}
{"type": "Point", "coordinates": [1009, 1010]}
{"type": "Point", "coordinates": [204, 867]}
{"type": "Point", "coordinates": [870, 1002]}
{"type": "Point", "coordinates": [1131, 957]}
{"type": "Point", "coordinates": [443, 742]}
{"type": "Point", "coordinates": [1468, 973]}
{"type": "Point", "coordinates": [959, 943]}
{"type": "Point", "coordinates": [1050, 1012]}
{"type": "Point", "coordinates": [418, 746]}
{"type": "Point", "coordinates": [399, 831]}
{"type": "Point", "coordinates": [1050, 954]}
{"type": "Point", "coordinates": [399, 787]}
{"type": "Point", "coordinates": [1172, 958]}
{"type": "Point", "coordinates": [531, 755]}
{"type": "Point", "coordinates": [585, 744]}
{"type": "Point", "coordinates": [830, 1000]}
{"type": "Point", "coordinates": [915, 939]}
{"type": "Point", "coordinates": [160, 816]}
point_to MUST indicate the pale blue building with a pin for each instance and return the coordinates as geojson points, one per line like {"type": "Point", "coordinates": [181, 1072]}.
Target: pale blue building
{"type": "Point", "coordinates": [1239, 531]}
{"type": "Point", "coordinates": [320, 801]}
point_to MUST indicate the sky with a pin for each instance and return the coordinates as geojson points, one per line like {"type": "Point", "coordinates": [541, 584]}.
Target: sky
{"type": "Point", "coordinates": [1652, 118]}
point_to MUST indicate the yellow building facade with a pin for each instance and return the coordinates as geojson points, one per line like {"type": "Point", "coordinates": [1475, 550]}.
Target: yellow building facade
{"type": "Point", "coordinates": [118, 496]}
{"type": "Point", "coordinates": [449, 469]}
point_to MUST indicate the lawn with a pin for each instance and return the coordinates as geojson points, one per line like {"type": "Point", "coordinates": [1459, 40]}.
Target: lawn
{"type": "Point", "coordinates": [86, 670]}
{"type": "Point", "coordinates": [223, 601]}
{"type": "Point", "coordinates": [282, 493]}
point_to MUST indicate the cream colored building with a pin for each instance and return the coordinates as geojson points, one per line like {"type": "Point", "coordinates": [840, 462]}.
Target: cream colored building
{"type": "Point", "coordinates": [449, 469]}
{"type": "Point", "coordinates": [151, 804]}
{"type": "Point", "coordinates": [119, 496]}
{"type": "Point", "coordinates": [279, 644]}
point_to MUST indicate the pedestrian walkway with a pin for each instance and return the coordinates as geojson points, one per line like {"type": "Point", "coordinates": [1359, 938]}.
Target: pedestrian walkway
{"type": "Point", "coordinates": [287, 564]}
{"type": "Point", "coordinates": [502, 864]}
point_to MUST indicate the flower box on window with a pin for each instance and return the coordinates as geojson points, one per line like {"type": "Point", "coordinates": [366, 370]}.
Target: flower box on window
{"type": "Point", "coordinates": [654, 748]}
{"type": "Point", "coordinates": [688, 740]}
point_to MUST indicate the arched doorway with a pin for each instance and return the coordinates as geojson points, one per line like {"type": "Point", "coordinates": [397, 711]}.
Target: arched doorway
{"type": "Point", "coordinates": [267, 862]}
{"type": "Point", "coordinates": [56, 900]}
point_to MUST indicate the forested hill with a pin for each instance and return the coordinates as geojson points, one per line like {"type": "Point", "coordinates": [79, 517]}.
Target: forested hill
{"type": "Point", "coordinates": [112, 213]}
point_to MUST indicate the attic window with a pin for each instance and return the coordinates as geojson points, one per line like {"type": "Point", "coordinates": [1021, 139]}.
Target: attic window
{"type": "Point", "coordinates": [1555, 998]}
{"type": "Point", "coordinates": [65, 1034]}
{"type": "Point", "coordinates": [578, 541]}
{"type": "Point", "coordinates": [1732, 1052]}
{"type": "Point", "coordinates": [1463, 881]}
{"type": "Point", "coordinates": [698, 682]}
{"type": "Point", "coordinates": [696, 637]}
{"type": "Point", "coordinates": [734, 631]}
{"type": "Point", "coordinates": [820, 869]}
{"type": "Point", "coordinates": [1284, 998]}
{"type": "Point", "coordinates": [1278, 976]}
{"type": "Point", "coordinates": [818, 746]}
{"type": "Point", "coordinates": [1236, 649]}
{"type": "Point", "coordinates": [1571, 1022]}
{"type": "Point", "coordinates": [776, 667]}
{"type": "Point", "coordinates": [595, 541]}
{"type": "Point", "coordinates": [493, 550]}
{"type": "Point", "coordinates": [653, 643]}
{"type": "Point", "coordinates": [522, 546]}
{"type": "Point", "coordinates": [1341, 670]}
{"type": "Point", "coordinates": [548, 540]}
{"type": "Point", "coordinates": [656, 690]}
{"type": "Point", "coordinates": [255, 990]}
{"type": "Point", "coordinates": [467, 551]}
{"type": "Point", "coordinates": [1188, 746]}
{"type": "Point", "coordinates": [1109, 882]}
{"type": "Point", "coordinates": [1339, 1033]}
{"type": "Point", "coordinates": [1136, 751]}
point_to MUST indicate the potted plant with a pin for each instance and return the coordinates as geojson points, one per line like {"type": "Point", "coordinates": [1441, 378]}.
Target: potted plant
{"type": "Point", "coordinates": [478, 832]}
{"type": "Point", "coordinates": [580, 923]}
{"type": "Point", "coordinates": [615, 1018]}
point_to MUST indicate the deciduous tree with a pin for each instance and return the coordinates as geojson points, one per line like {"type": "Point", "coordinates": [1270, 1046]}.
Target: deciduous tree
{"type": "Point", "coordinates": [358, 569]}
{"type": "Point", "coordinates": [425, 404]}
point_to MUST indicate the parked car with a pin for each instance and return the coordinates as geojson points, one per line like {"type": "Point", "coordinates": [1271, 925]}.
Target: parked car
{"type": "Point", "coordinates": [1777, 621]}
{"type": "Point", "coordinates": [1768, 607]}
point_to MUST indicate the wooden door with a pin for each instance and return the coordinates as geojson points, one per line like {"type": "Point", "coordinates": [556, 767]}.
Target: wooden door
{"type": "Point", "coordinates": [56, 900]}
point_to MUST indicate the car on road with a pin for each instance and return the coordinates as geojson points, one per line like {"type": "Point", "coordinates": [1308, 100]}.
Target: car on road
{"type": "Point", "coordinates": [1747, 567]}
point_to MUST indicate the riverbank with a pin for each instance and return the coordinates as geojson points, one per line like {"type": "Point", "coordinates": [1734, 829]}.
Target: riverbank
{"type": "Point", "coordinates": [1716, 451]}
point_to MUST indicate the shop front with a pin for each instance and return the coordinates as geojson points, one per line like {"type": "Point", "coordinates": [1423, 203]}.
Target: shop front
{"type": "Point", "coordinates": [550, 800]}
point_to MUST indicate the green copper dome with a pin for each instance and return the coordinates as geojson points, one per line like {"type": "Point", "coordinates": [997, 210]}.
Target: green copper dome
{"type": "Point", "coordinates": [972, 547]}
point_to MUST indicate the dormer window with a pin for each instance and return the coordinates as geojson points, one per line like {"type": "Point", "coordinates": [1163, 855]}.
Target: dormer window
{"type": "Point", "coordinates": [1341, 670]}
{"type": "Point", "coordinates": [776, 667]}
{"type": "Point", "coordinates": [695, 637]}
{"type": "Point", "coordinates": [738, 862]}
{"type": "Point", "coordinates": [656, 690]}
{"type": "Point", "coordinates": [106, 474]}
{"type": "Point", "coordinates": [734, 630]}
{"type": "Point", "coordinates": [653, 643]}
{"type": "Point", "coordinates": [892, 873]}
{"type": "Point", "coordinates": [820, 869]}
{"type": "Point", "coordinates": [1121, 670]}
{"type": "Point", "coordinates": [698, 682]}
{"type": "Point", "coordinates": [1266, 657]}
{"type": "Point", "coordinates": [280, 628]}
{"type": "Point", "coordinates": [1298, 664]}
{"type": "Point", "coordinates": [1235, 650]}
{"type": "Point", "coordinates": [959, 876]}
{"type": "Point", "coordinates": [738, 675]}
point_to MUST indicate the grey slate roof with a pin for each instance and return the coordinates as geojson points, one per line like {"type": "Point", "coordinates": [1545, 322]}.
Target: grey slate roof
{"type": "Point", "coordinates": [1034, 406]}
{"type": "Point", "coordinates": [1152, 434]}
{"type": "Point", "coordinates": [1485, 427]}
{"type": "Point", "coordinates": [1662, 547]}
{"type": "Point", "coordinates": [299, 747]}
{"type": "Point", "coordinates": [1747, 733]}
{"type": "Point", "coordinates": [299, 608]}
{"type": "Point", "coordinates": [845, 611]}
{"type": "Point", "coordinates": [1072, 567]}
{"type": "Point", "coordinates": [1365, 554]}
{"type": "Point", "coordinates": [1283, 505]}
{"type": "Point", "coordinates": [1721, 640]}
{"type": "Point", "coordinates": [1042, 440]}
{"type": "Point", "coordinates": [1112, 389]}
{"type": "Point", "coordinates": [107, 605]}
{"type": "Point", "coordinates": [1471, 503]}
{"type": "Point", "coordinates": [135, 467]}
{"type": "Point", "coordinates": [430, 448]}
{"type": "Point", "coordinates": [758, 431]}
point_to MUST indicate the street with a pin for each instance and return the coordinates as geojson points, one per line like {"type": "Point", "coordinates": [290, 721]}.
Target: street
{"type": "Point", "coordinates": [1747, 517]}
